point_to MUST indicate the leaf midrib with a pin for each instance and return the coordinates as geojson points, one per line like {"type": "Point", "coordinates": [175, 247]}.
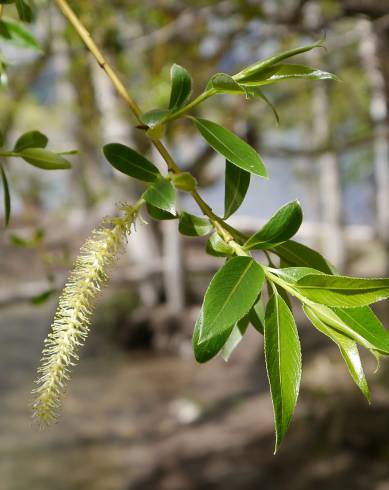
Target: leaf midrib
{"type": "Point", "coordinates": [133, 163]}
{"type": "Point", "coordinates": [237, 140]}
{"type": "Point", "coordinates": [233, 290]}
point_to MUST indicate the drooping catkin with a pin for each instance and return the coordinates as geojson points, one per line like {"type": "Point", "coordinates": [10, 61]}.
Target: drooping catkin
{"type": "Point", "coordinates": [71, 322]}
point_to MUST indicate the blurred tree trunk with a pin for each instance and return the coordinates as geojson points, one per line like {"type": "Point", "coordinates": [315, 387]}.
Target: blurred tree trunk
{"type": "Point", "coordinates": [67, 88]}
{"type": "Point", "coordinates": [173, 268]}
{"type": "Point", "coordinates": [329, 181]}
{"type": "Point", "coordinates": [142, 247]}
{"type": "Point", "coordinates": [379, 116]}
{"type": "Point", "coordinates": [330, 188]}
{"type": "Point", "coordinates": [87, 128]}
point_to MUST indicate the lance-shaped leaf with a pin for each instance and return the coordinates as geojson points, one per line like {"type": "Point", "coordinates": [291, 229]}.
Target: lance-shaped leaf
{"type": "Point", "coordinates": [217, 247]}
{"type": "Point", "coordinates": [204, 351]}
{"type": "Point", "coordinates": [152, 118]}
{"type": "Point", "coordinates": [297, 254]}
{"type": "Point", "coordinates": [281, 72]}
{"type": "Point", "coordinates": [181, 87]}
{"type": "Point", "coordinates": [191, 225]}
{"type": "Point", "coordinates": [237, 182]}
{"type": "Point", "coordinates": [235, 338]}
{"type": "Point", "coordinates": [24, 10]}
{"type": "Point", "coordinates": [281, 226]}
{"type": "Point", "coordinates": [162, 195]}
{"type": "Point", "coordinates": [230, 295]}
{"type": "Point", "coordinates": [130, 162]}
{"type": "Point", "coordinates": [231, 147]}
{"type": "Point", "coordinates": [283, 362]}
{"type": "Point", "coordinates": [294, 274]}
{"type": "Point", "coordinates": [44, 159]}
{"type": "Point", "coordinates": [159, 214]}
{"type": "Point", "coordinates": [360, 324]}
{"type": "Point", "coordinates": [7, 197]}
{"type": "Point", "coordinates": [272, 60]}
{"type": "Point", "coordinates": [342, 291]}
{"type": "Point", "coordinates": [224, 84]}
{"type": "Point", "coordinates": [348, 348]}
{"type": "Point", "coordinates": [32, 139]}
{"type": "Point", "coordinates": [16, 34]}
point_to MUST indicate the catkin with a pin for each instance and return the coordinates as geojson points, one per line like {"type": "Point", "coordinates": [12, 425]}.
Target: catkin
{"type": "Point", "coordinates": [71, 322]}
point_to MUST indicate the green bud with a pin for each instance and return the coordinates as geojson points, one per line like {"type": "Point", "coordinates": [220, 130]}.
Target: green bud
{"type": "Point", "coordinates": [184, 182]}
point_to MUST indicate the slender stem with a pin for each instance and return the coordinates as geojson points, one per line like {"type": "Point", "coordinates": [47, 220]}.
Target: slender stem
{"type": "Point", "coordinates": [1, 10]}
{"type": "Point", "coordinates": [9, 154]}
{"type": "Point", "coordinates": [230, 232]}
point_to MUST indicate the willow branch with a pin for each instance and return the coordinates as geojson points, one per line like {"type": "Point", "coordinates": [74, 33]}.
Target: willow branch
{"type": "Point", "coordinates": [229, 232]}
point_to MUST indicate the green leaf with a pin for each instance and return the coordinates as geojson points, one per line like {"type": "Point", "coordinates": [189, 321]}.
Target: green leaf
{"type": "Point", "coordinates": [217, 247]}
{"type": "Point", "coordinates": [257, 316]}
{"type": "Point", "coordinates": [162, 195]}
{"type": "Point", "coordinates": [348, 348]}
{"type": "Point", "coordinates": [153, 117]}
{"type": "Point", "coordinates": [237, 182]}
{"type": "Point", "coordinates": [342, 291]}
{"type": "Point", "coordinates": [231, 147]}
{"type": "Point", "coordinates": [15, 33]}
{"type": "Point", "coordinates": [159, 214]}
{"type": "Point", "coordinates": [32, 139]}
{"type": "Point", "coordinates": [297, 254]}
{"type": "Point", "coordinates": [283, 363]}
{"type": "Point", "coordinates": [7, 197]}
{"type": "Point", "coordinates": [282, 72]}
{"type": "Point", "coordinates": [230, 295]}
{"type": "Point", "coordinates": [272, 60]}
{"type": "Point", "coordinates": [130, 162]}
{"type": "Point", "coordinates": [3, 70]}
{"type": "Point", "coordinates": [235, 338]}
{"type": "Point", "coordinates": [206, 350]}
{"type": "Point", "coordinates": [181, 87]}
{"type": "Point", "coordinates": [44, 159]}
{"type": "Point", "coordinates": [224, 84]}
{"type": "Point", "coordinates": [361, 324]}
{"type": "Point", "coordinates": [24, 10]}
{"type": "Point", "coordinates": [41, 298]}
{"type": "Point", "coordinates": [191, 225]}
{"type": "Point", "coordinates": [281, 226]}
{"type": "Point", "coordinates": [294, 274]}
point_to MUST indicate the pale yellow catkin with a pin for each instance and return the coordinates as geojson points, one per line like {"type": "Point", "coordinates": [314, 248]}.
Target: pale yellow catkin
{"type": "Point", "coordinates": [70, 326]}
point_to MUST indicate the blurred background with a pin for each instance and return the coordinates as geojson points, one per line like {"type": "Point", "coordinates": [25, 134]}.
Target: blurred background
{"type": "Point", "coordinates": [140, 413]}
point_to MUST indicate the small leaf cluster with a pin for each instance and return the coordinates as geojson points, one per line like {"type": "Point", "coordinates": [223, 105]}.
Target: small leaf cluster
{"type": "Point", "coordinates": [31, 147]}
{"type": "Point", "coordinates": [14, 33]}
{"type": "Point", "coordinates": [337, 306]}
{"type": "Point", "coordinates": [24, 9]}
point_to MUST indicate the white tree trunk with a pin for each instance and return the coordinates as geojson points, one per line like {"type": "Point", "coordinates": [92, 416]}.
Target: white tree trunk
{"type": "Point", "coordinates": [330, 189]}
{"type": "Point", "coordinates": [142, 248]}
{"type": "Point", "coordinates": [173, 268]}
{"type": "Point", "coordinates": [378, 113]}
